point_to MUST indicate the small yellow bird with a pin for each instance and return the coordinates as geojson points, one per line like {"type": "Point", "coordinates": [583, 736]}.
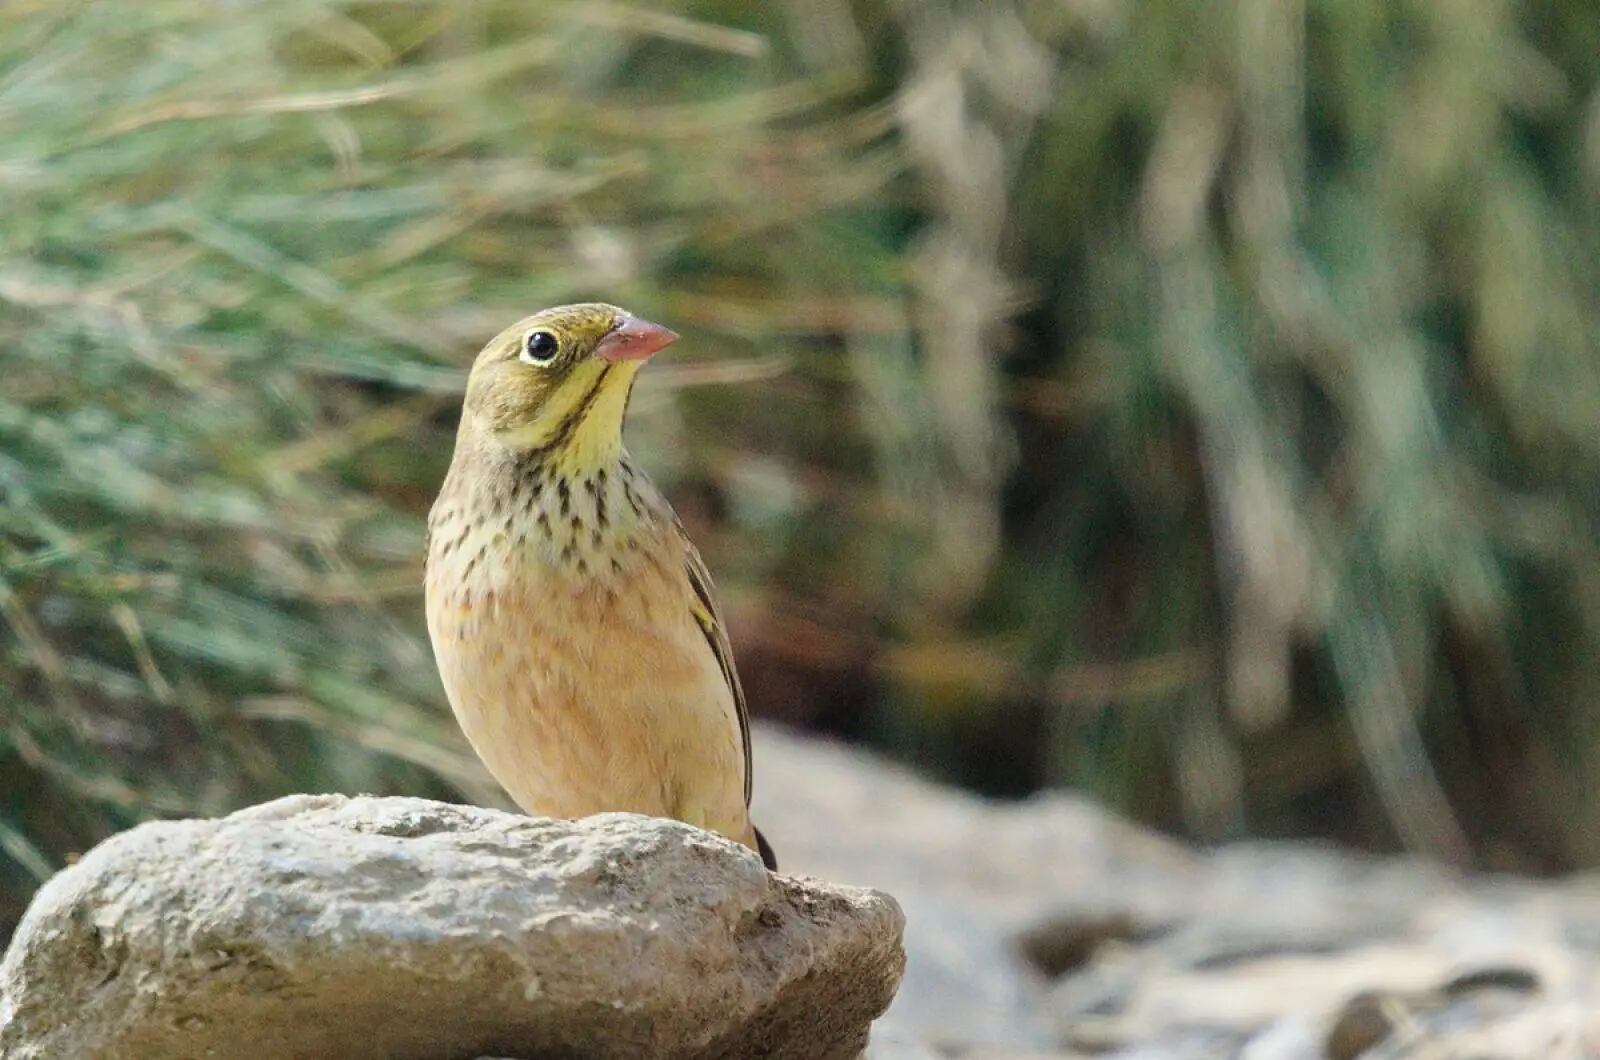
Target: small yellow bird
{"type": "Point", "coordinates": [572, 619]}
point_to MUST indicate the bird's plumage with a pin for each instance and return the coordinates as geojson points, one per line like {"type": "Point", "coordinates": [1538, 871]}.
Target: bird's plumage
{"type": "Point", "coordinates": [575, 625]}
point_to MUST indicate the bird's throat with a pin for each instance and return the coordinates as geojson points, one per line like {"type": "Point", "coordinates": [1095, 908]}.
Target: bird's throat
{"type": "Point", "coordinates": [579, 428]}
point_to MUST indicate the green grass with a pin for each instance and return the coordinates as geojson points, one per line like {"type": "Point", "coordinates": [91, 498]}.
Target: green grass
{"type": "Point", "coordinates": [1205, 413]}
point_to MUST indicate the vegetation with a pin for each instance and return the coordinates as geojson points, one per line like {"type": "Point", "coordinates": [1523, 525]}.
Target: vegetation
{"type": "Point", "coordinates": [1206, 415]}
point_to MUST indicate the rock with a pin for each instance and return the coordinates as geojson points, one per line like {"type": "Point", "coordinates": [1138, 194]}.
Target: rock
{"type": "Point", "coordinates": [1036, 930]}
{"type": "Point", "coordinates": [973, 876]}
{"type": "Point", "coordinates": [403, 928]}
{"type": "Point", "coordinates": [1050, 928]}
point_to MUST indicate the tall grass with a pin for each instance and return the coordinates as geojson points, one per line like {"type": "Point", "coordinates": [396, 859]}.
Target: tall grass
{"type": "Point", "coordinates": [1300, 518]}
{"type": "Point", "coordinates": [1203, 411]}
{"type": "Point", "coordinates": [247, 251]}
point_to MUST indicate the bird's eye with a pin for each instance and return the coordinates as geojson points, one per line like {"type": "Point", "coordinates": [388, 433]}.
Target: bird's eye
{"type": "Point", "coordinates": [539, 347]}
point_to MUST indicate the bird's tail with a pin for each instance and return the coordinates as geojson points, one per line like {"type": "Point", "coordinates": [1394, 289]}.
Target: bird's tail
{"type": "Point", "coordinates": [768, 858]}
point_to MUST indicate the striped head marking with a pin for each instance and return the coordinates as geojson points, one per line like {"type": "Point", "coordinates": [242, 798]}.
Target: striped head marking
{"type": "Point", "coordinates": [559, 380]}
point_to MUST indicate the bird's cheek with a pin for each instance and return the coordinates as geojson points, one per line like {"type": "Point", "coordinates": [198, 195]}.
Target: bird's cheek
{"type": "Point", "coordinates": [514, 410]}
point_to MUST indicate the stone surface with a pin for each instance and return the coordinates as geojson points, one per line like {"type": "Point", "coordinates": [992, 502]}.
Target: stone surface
{"type": "Point", "coordinates": [1050, 928]}
{"type": "Point", "coordinates": [402, 928]}
{"type": "Point", "coordinates": [1036, 930]}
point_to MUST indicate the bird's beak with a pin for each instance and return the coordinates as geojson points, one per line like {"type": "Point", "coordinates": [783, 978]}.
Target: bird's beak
{"type": "Point", "coordinates": [634, 340]}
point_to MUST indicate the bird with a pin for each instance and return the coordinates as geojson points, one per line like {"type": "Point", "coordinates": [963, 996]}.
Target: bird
{"type": "Point", "coordinates": [575, 626]}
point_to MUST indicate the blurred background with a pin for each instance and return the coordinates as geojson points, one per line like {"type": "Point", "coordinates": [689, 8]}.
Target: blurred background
{"type": "Point", "coordinates": [1200, 410]}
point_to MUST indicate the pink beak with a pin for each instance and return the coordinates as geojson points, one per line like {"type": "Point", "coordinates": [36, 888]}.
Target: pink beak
{"type": "Point", "coordinates": [634, 340]}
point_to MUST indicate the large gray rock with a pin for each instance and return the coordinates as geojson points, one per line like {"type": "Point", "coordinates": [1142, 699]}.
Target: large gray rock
{"type": "Point", "coordinates": [402, 928]}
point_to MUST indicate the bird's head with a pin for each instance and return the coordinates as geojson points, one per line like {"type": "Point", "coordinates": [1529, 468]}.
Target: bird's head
{"type": "Point", "coordinates": [559, 380]}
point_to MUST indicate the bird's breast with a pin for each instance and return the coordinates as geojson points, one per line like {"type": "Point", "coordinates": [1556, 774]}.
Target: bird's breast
{"type": "Point", "coordinates": [565, 635]}
{"type": "Point", "coordinates": [554, 574]}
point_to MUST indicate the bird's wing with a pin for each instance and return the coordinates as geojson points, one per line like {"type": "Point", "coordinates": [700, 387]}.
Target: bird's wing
{"type": "Point", "coordinates": [710, 618]}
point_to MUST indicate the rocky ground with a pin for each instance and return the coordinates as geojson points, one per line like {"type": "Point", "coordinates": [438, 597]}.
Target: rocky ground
{"type": "Point", "coordinates": [323, 926]}
{"type": "Point", "coordinates": [1049, 928]}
